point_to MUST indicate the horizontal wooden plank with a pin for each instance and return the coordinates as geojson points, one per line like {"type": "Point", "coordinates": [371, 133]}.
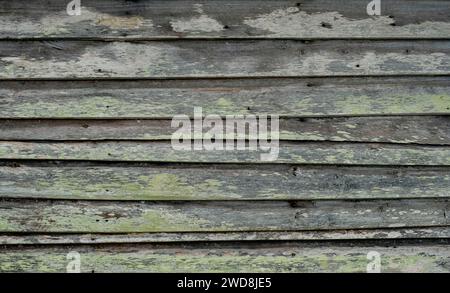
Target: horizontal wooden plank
{"type": "Point", "coordinates": [218, 216]}
{"type": "Point", "coordinates": [310, 97]}
{"type": "Point", "coordinates": [393, 233]}
{"type": "Point", "coordinates": [225, 19]}
{"type": "Point", "coordinates": [285, 152]}
{"type": "Point", "coordinates": [221, 182]}
{"type": "Point", "coordinates": [406, 129]}
{"type": "Point", "coordinates": [234, 58]}
{"type": "Point", "coordinates": [235, 257]}
{"type": "Point", "coordinates": [304, 97]}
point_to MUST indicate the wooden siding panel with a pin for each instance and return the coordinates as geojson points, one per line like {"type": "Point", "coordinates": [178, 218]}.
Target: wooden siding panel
{"type": "Point", "coordinates": [114, 19]}
{"type": "Point", "coordinates": [193, 216]}
{"type": "Point", "coordinates": [221, 182]}
{"type": "Point", "coordinates": [86, 163]}
{"type": "Point", "coordinates": [234, 58]}
{"type": "Point", "coordinates": [314, 97]}
{"type": "Point", "coordinates": [403, 130]}
{"type": "Point", "coordinates": [260, 257]}
{"type": "Point", "coordinates": [287, 153]}
{"type": "Point", "coordinates": [435, 233]}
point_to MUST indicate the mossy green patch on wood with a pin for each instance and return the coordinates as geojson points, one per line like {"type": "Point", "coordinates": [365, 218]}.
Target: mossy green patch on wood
{"type": "Point", "coordinates": [113, 220]}
{"type": "Point", "coordinates": [429, 103]}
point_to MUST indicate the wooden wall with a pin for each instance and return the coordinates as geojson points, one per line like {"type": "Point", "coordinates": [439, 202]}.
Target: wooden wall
{"type": "Point", "coordinates": [86, 162]}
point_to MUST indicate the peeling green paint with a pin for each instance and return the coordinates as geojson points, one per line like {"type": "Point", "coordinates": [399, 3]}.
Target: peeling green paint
{"type": "Point", "coordinates": [154, 219]}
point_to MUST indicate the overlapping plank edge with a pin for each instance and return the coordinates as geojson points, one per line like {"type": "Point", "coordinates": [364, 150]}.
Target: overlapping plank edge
{"type": "Point", "coordinates": [234, 58]}
{"type": "Point", "coordinates": [400, 256]}
{"type": "Point", "coordinates": [284, 152]}
{"type": "Point", "coordinates": [286, 97]}
{"type": "Point", "coordinates": [433, 130]}
{"type": "Point", "coordinates": [114, 19]}
{"type": "Point", "coordinates": [104, 238]}
{"type": "Point", "coordinates": [48, 216]}
{"type": "Point", "coordinates": [220, 182]}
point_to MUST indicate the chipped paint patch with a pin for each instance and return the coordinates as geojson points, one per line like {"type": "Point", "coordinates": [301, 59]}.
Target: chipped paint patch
{"type": "Point", "coordinates": [117, 22]}
{"type": "Point", "coordinates": [61, 24]}
{"type": "Point", "coordinates": [293, 22]}
{"type": "Point", "coordinates": [97, 61]}
{"type": "Point", "coordinates": [202, 23]}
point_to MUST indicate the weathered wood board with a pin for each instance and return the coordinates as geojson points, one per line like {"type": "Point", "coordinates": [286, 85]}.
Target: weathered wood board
{"type": "Point", "coordinates": [285, 152]}
{"type": "Point", "coordinates": [221, 182]}
{"type": "Point", "coordinates": [185, 237]}
{"type": "Point", "coordinates": [196, 216]}
{"type": "Point", "coordinates": [241, 257]}
{"type": "Point", "coordinates": [433, 130]}
{"type": "Point", "coordinates": [308, 97]}
{"type": "Point", "coordinates": [114, 19]}
{"type": "Point", "coordinates": [234, 58]}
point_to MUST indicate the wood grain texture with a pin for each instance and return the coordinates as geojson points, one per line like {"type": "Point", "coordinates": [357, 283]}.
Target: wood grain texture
{"type": "Point", "coordinates": [218, 216]}
{"type": "Point", "coordinates": [221, 182]}
{"type": "Point", "coordinates": [234, 58]}
{"type": "Point", "coordinates": [407, 129]}
{"type": "Point", "coordinates": [118, 19]}
{"type": "Point", "coordinates": [235, 257]}
{"type": "Point", "coordinates": [304, 97]}
{"type": "Point", "coordinates": [86, 163]}
{"type": "Point", "coordinates": [361, 234]}
{"type": "Point", "coordinates": [286, 152]}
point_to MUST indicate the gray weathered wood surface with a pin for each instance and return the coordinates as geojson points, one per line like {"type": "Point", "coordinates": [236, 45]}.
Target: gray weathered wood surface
{"type": "Point", "coordinates": [86, 162]}
{"type": "Point", "coordinates": [114, 19]}
{"type": "Point", "coordinates": [234, 58]}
